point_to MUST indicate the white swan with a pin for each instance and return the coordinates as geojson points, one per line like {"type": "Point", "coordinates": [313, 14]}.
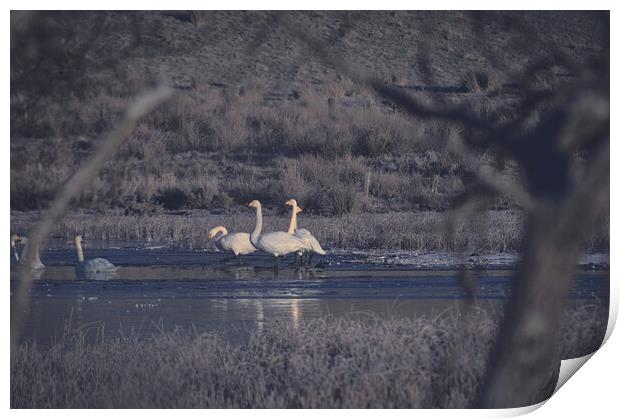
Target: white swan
{"type": "Point", "coordinates": [90, 266]}
{"type": "Point", "coordinates": [36, 259]}
{"type": "Point", "coordinates": [301, 233]}
{"type": "Point", "coordinates": [14, 254]}
{"type": "Point", "coordinates": [237, 243]}
{"type": "Point", "coordinates": [277, 243]}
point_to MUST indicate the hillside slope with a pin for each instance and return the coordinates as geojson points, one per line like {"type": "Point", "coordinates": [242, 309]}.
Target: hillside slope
{"type": "Point", "coordinates": [252, 117]}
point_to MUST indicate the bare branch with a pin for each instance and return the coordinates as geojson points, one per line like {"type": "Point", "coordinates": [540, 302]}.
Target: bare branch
{"type": "Point", "coordinates": [84, 175]}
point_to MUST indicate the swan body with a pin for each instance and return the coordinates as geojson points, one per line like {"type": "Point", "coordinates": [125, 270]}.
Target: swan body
{"type": "Point", "coordinates": [96, 265]}
{"type": "Point", "coordinates": [277, 243]}
{"type": "Point", "coordinates": [237, 243]}
{"type": "Point", "coordinates": [91, 266]}
{"type": "Point", "coordinates": [301, 233]}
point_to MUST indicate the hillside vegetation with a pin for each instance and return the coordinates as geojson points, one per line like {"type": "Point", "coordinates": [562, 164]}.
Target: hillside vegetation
{"type": "Point", "coordinates": [253, 117]}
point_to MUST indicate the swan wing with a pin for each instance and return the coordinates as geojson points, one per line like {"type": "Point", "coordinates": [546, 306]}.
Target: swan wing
{"type": "Point", "coordinates": [281, 243]}
{"type": "Point", "coordinates": [96, 265]}
{"type": "Point", "coordinates": [311, 241]}
{"type": "Point", "coordinates": [238, 243]}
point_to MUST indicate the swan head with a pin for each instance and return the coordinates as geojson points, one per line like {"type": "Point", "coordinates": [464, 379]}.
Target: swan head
{"type": "Point", "coordinates": [15, 239]}
{"type": "Point", "coordinates": [254, 204]}
{"type": "Point", "coordinates": [79, 239]}
{"type": "Point", "coordinates": [291, 202]}
{"type": "Point", "coordinates": [215, 230]}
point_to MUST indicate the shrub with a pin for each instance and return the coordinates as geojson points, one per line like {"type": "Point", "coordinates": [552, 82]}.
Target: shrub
{"type": "Point", "coordinates": [481, 81]}
{"type": "Point", "coordinates": [171, 198]}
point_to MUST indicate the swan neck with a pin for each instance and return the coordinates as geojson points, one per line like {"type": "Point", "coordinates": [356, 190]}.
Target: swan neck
{"type": "Point", "coordinates": [31, 253]}
{"type": "Point", "coordinates": [258, 226]}
{"type": "Point", "coordinates": [80, 252]}
{"type": "Point", "coordinates": [220, 232]}
{"type": "Point", "coordinates": [15, 253]}
{"type": "Point", "coordinates": [293, 225]}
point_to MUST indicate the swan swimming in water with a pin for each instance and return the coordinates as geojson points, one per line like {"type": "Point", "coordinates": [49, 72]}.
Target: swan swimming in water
{"type": "Point", "coordinates": [303, 234]}
{"type": "Point", "coordinates": [14, 255]}
{"type": "Point", "coordinates": [36, 259]}
{"type": "Point", "coordinates": [91, 266]}
{"type": "Point", "coordinates": [237, 243]}
{"type": "Point", "coordinates": [277, 243]}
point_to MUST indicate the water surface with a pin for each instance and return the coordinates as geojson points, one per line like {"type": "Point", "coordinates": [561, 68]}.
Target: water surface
{"type": "Point", "coordinates": [159, 288]}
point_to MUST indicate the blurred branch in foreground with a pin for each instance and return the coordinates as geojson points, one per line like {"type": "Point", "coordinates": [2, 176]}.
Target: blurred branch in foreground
{"type": "Point", "coordinates": [560, 206]}
{"type": "Point", "coordinates": [82, 177]}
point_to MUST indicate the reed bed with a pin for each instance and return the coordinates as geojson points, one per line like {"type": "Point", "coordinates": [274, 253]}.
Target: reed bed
{"type": "Point", "coordinates": [420, 231]}
{"type": "Point", "coordinates": [331, 362]}
{"type": "Point", "coordinates": [492, 231]}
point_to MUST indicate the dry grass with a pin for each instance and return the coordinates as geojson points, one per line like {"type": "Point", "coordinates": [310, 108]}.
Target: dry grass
{"type": "Point", "coordinates": [355, 362]}
{"type": "Point", "coordinates": [217, 135]}
{"type": "Point", "coordinates": [421, 231]}
{"type": "Point", "coordinates": [494, 231]}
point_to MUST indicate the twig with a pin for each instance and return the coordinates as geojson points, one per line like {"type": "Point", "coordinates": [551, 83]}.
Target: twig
{"type": "Point", "coordinates": [84, 175]}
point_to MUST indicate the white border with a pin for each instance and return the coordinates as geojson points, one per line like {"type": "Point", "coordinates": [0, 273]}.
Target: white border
{"type": "Point", "coordinates": [592, 393]}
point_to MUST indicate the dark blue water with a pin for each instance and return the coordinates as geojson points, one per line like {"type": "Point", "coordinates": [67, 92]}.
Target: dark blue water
{"type": "Point", "coordinates": [161, 288]}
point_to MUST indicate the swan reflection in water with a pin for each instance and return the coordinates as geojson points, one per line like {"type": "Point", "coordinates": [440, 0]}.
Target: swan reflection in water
{"type": "Point", "coordinates": [240, 272]}
{"type": "Point", "coordinates": [295, 313]}
{"type": "Point", "coordinates": [95, 276]}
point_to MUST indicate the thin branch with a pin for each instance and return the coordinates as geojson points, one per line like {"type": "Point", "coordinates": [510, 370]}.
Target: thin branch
{"type": "Point", "coordinates": [84, 175]}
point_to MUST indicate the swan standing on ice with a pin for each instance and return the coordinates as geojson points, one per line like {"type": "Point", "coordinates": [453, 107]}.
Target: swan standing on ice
{"type": "Point", "coordinates": [303, 234]}
{"type": "Point", "coordinates": [36, 259]}
{"type": "Point", "coordinates": [90, 266]}
{"type": "Point", "coordinates": [277, 243]}
{"type": "Point", "coordinates": [292, 227]}
{"type": "Point", "coordinates": [237, 243]}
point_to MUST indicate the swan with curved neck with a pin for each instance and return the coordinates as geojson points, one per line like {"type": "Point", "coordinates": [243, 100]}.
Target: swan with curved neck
{"type": "Point", "coordinates": [36, 258]}
{"type": "Point", "coordinates": [277, 243]}
{"type": "Point", "coordinates": [237, 243]}
{"type": "Point", "coordinates": [304, 235]}
{"type": "Point", "coordinates": [90, 266]}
